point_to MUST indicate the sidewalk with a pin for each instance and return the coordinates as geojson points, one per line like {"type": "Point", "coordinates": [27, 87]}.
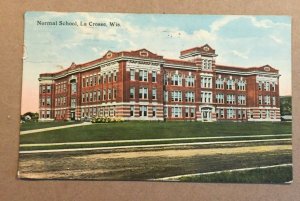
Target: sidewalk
{"type": "Point", "coordinates": [54, 128]}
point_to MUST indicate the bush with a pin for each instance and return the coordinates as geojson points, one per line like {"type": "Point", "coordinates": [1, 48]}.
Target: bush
{"type": "Point", "coordinates": [107, 119]}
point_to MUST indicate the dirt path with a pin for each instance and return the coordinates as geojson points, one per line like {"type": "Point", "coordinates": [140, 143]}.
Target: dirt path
{"type": "Point", "coordinates": [188, 152]}
{"type": "Point", "coordinates": [148, 164]}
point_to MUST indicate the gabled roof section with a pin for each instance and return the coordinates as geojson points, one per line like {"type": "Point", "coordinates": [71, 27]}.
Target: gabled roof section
{"type": "Point", "coordinates": [143, 53]}
{"type": "Point", "coordinates": [202, 50]}
{"type": "Point", "coordinates": [266, 68]}
{"type": "Point", "coordinates": [109, 55]}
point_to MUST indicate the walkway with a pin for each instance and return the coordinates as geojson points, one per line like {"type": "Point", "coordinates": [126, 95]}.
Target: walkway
{"type": "Point", "coordinates": [54, 128]}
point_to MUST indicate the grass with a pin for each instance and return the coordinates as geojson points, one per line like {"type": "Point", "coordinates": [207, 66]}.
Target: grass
{"type": "Point", "coordinates": [268, 175]}
{"type": "Point", "coordinates": [30, 125]}
{"type": "Point", "coordinates": [156, 130]}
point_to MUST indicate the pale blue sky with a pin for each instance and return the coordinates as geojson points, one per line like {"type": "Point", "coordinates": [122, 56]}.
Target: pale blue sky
{"type": "Point", "coordinates": [238, 40]}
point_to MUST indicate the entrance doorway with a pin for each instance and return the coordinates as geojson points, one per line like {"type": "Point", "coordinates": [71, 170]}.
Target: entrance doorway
{"type": "Point", "coordinates": [206, 114]}
{"type": "Point", "coordinates": [72, 115]}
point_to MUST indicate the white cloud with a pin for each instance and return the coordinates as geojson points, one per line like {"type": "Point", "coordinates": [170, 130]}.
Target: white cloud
{"type": "Point", "coordinates": [240, 54]}
{"type": "Point", "coordinates": [276, 39]}
{"type": "Point", "coordinates": [218, 24]}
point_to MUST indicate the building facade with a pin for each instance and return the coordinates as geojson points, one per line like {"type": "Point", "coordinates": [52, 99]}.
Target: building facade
{"type": "Point", "coordinates": [141, 85]}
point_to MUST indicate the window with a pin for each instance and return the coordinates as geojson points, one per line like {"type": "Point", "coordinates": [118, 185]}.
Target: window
{"type": "Point", "coordinates": [73, 102]}
{"type": "Point", "coordinates": [94, 111]}
{"type": "Point", "coordinates": [143, 93]}
{"type": "Point", "coordinates": [132, 92]}
{"type": "Point", "coordinates": [131, 110]}
{"type": "Point", "coordinates": [143, 111]}
{"type": "Point", "coordinates": [43, 89]}
{"type": "Point", "coordinates": [154, 111]}
{"type": "Point", "coordinates": [176, 96]}
{"type": "Point", "coordinates": [48, 101]}
{"type": "Point", "coordinates": [109, 94]}
{"type": "Point", "coordinates": [95, 79]}
{"type": "Point", "coordinates": [109, 77]}
{"type": "Point", "coordinates": [99, 78]}
{"type": "Point", "coordinates": [99, 95]}
{"type": "Point", "coordinates": [114, 93]}
{"type": "Point", "coordinates": [231, 113]}
{"type": "Point", "coordinates": [241, 85]}
{"type": "Point", "coordinates": [260, 85]}
{"type": "Point", "coordinates": [189, 81]}
{"type": "Point", "coordinates": [73, 87]}
{"type": "Point", "coordinates": [219, 83]}
{"type": "Point", "coordinates": [206, 97]}
{"type": "Point", "coordinates": [82, 100]}
{"type": "Point", "coordinates": [206, 64]}
{"type": "Point", "coordinates": [132, 74]}
{"type": "Point", "coordinates": [104, 78]}
{"type": "Point", "coordinates": [240, 113]}
{"type": "Point", "coordinates": [273, 87]}
{"type": "Point", "coordinates": [230, 84]}
{"type": "Point", "coordinates": [274, 100]}
{"type": "Point", "coordinates": [104, 94]}
{"type": "Point", "coordinates": [83, 82]}
{"type": "Point", "coordinates": [187, 112]}
{"type": "Point", "coordinates": [190, 96]}
{"type": "Point", "coordinates": [94, 96]}
{"type": "Point", "coordinates": [176, 112]}
{"type": "Point", "coordinates": [91, 81]}
{"type": "Point", "coordinates": [230, 99]}
{"type": "Point", "coordinates": [267, 100]}
{"type": "Point", "coordinates": [48, 114]}
{"type": "Point", "coordinates": [221, 112]}
{"type": "Point", "coordinates": [87, 97]}
{"type": "Point", "coordinates": [48, 89]}
{"type": "Point", "coordinates": [260, 100]}
{"type": "Point", "coordinates": [86, 81]}
{"type": "Point", "coordinates": [267, 86]}
{"type": "Point", "coordinates": [177, 80]}
{"type": "Point", "coordinates": [219, 98]}
{"type": "Point", "coordinates": [241, 99]}
{"type": "Point", "coordinates": [59, 101]}
{"type": "Point", "coordinates": [153, 76]}
{"type": "Point", "coordinates": [143, 75]}
{"type": "Point", "coordinates": [115, 76]}
{"type": "Point", "coordinates": [206, 82]}
{"type": "Point", "coordinates": [154, 94]}
{"type": "Point", "coordinates": [192, 114]}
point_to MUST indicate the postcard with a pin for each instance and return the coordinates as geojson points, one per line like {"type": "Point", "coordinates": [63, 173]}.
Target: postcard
{"type": "Point", "coordinates": [156, 97]}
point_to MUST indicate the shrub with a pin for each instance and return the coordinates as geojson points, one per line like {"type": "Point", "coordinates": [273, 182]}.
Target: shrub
{"type": "Point", "coordinates": [106, 119]}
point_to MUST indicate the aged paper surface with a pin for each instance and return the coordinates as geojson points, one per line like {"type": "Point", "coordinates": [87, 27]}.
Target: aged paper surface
{"type": "Point", "coordinates": [67, 190]}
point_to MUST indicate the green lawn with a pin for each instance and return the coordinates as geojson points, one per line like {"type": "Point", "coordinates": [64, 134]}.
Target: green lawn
{"type": "Point", "coordinates": [30, 125]}
{"type": "Point", "coordinates": [268, 175]}
{"type": "Point", "coordinates": [155, 130]}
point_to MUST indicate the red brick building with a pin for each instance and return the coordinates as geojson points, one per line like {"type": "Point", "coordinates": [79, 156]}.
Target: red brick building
{"type": "Point", "coordinates": [141, 85]}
